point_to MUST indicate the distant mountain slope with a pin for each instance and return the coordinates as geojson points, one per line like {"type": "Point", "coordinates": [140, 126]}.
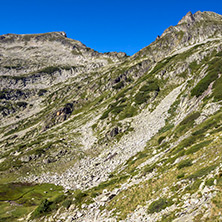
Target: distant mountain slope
{"type": "Point", "coordinates": [88, 136]}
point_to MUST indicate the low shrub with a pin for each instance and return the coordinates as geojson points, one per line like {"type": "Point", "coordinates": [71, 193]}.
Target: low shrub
{"type": "Point", "coordinates": [141, 98]}
{"type": "Point", "coordinates": [148, 169]}
{"type": "Point", "coordinates": [205, 127]}
{"type": "Point", "coordinates": [184, 143]}
{"type": "Point", "coordinates": [42, 208]}
{"type": "Point", "coordinates": [184, 163]}
{"type": "Point", "coordinates": [119, 85]}
{"type": "Point", "coordinates": [105, 114]}
{"type": "Point", "coordinates": [67, 203]}
{"type": "Point", "coordinates": [219, 54]}
{"type": "Point", "coordinates": [109, 183]}
{"type": "Point", "coordinates": [180, 176]}
{"type": "Point", "coordinates": [214, 69]}
{"type": "Point", "coordinates": [161, 139]}
{"type": "Point", "coordinates": [186, 124]}
{"type": "Point", "coordinates": [128, 112]}
{"type": "Point", "coordinates": [202, 172]}
{"type": "Point", "coordinates": [194, 186]}
{"type": "Point", "coordinates": [118, 109]}
{"type": "Point", "coordinates": [113, 108]}
{"type": "Point", "coordinates": [159, 205]}
{"type": "Point", "coordinates": [79, 196]}
{"type": "Point", "coordinates": [193, 66]}
{"type": "Point", "coordinates": [143, 95]}
{"type": "Point", "coordinates": [197, 147]}
{"type": "Point", "coordinates": [149, 87]}
{"type": "Point", "coordinates": [210, 182]}
{"type": "Point", "coordinates": [217, 92]}
{"type": "Point", "coordinates": [161, 64]}
{"type": "Point", "coordinates": [50, 70]}
{"type": "Point", "coordinates": [190, 118]}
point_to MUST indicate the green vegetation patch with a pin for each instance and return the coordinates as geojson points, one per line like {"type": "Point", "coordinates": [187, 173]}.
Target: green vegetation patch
{"type": "Point", "coordinates": [67, 203]}
{"type": "Point", "coordinates": [79, 197]}
{"type": "Point", "coordinates": [180, 176]}
{"type": "Point", "coordinates": [193, 66]}
{"type": "Point", "coordinates": [162, 64]}
{"type": "Point", "coordinates": [217, 92]}
{"type": "Point", "coordinates": [148, 169]}
{"type": "Point", "coordinates": [202, 172]}
{"type": "Point", "coordinates": [113, 182]}
{"type": "Point", "coordinates": [150, 86]}
{"type": "Point", "coordinates": [143, 95]}
{"type": "Point", "coordinates": [184, 143]}
{"type": "Point", "coordinates": [194, 186]}
{"type": "Point", "coordinates": [24, 197]}
{"type": "Point", "coordinates": [159, 205]}
{"type": "Point", "coordinates": [128, 112]}
{"type": "Point", "coordinates": [215, 67]}
{"type": "Point", "coordinates": [44, 207]}
{"type": "Point", "coordinates": [210, 182]}
{"type": "Point", "coordinates": [166, 128]}
{"type": "Point", "coordinates": [114, 108]}
{"type": "Point", "coordinates": [141, 98]}
{"type": "Point", "coordinates": [16, 191]}
{"type": "Point", "coordinates": [161, 138]}
{"type": "Point", "coordinates": [184, 163]}
{"type": "Point", "coordinates": [197, 147]}
{"type": "Point", "coordinates": [47, 206]}
{"type": "Point", "coordinates": [119, 85]}
{"type": "Point", "coordinates": [190, 118]}
{"type": "Point", "coordinates": [186, 124]}
{"type": "Point", "coordinates": [49, 70]}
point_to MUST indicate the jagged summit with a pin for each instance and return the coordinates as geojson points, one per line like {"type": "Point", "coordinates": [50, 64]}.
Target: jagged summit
{"type": "Point", "coordinates": [188, 18]}
{"type": "Point", "coordinates": [191, 29]}
{"type": "Point", "coordinates": [197, 22]}
{"type": "Point", "coordinates": [208, 16]}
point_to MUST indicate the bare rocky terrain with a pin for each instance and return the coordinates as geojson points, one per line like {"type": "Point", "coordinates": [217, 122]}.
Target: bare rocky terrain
{"type": "Point", "coordinates": [89, 136]}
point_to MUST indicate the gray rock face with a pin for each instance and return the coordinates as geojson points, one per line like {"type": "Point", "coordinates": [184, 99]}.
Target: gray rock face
{"type": "Point", "coordinates": [188, 18]}
{"type": "Point", "coordinates": [65, 57]}
{"type": "Point", "coordinates": [114, 132]}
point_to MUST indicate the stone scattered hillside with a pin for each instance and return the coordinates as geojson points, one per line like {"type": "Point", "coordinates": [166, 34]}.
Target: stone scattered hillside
{"type": "Point", "coordinates": [88, 136]}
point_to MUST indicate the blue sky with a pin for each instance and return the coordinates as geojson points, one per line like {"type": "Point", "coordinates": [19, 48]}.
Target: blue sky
{"type": "Point", "coordinates": [104, 25]}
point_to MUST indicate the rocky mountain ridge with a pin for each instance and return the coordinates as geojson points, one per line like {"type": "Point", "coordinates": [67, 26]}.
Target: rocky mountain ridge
{"type": "Point", "coordinates": [88, 136]}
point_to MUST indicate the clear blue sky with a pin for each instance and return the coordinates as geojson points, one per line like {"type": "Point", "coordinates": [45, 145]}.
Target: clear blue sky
{"type": "Point", "coordinates": [104, 25]}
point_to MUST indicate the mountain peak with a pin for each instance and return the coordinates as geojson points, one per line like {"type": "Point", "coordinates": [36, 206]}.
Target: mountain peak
{"type": "Point", "coordinates": [188, 18]}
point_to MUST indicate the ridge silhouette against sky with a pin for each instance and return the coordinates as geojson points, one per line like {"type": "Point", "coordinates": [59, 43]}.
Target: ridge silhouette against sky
{"type": "Point", "coordinates": [110, 25]}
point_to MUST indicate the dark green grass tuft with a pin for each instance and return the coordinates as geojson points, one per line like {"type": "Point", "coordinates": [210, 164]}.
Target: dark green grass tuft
{"type": "Point", "coordinates": [159, 205]}
{"type": "Point", "coordinates": [184, 163]}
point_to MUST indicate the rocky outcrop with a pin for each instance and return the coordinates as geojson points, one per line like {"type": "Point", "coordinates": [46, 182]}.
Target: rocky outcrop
{"type": "Point", "coordinates": [59, 115]}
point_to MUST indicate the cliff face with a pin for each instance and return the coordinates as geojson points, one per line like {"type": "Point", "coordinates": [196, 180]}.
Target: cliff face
{"type": "Point", "coordinates": [88, 136]}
